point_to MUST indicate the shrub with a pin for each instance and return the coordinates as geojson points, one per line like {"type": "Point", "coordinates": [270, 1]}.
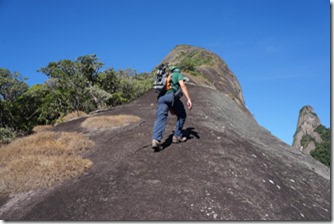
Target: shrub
{"type": "Point", "coordinates": [322, 152]}
{"type": "Point", "coordinates": [324, 133]}
{"type": "Point", "coordinates": [6, 135]}
{"type": "Point", "coordinates": [306, 139]}
{"type": "Point", "coordinates": [191, 61]}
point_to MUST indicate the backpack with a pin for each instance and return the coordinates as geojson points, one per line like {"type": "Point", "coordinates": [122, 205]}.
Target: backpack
{"type": "Point", "coordinates": [162, 79]}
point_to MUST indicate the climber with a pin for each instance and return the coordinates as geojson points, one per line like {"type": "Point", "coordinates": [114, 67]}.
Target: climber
{"type": "Point", "coordinates": [169, 100]}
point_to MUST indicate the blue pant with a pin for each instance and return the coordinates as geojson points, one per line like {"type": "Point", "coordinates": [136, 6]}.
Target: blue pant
{"type": "Point", "coordinates": [164, 103]}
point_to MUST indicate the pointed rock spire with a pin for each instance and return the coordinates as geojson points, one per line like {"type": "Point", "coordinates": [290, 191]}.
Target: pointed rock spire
{"type": "Point", "coordinates": [306, 137]}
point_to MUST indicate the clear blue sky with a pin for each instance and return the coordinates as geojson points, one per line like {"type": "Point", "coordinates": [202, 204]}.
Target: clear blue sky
{"type": "Point", "coordinates": [278, 50]}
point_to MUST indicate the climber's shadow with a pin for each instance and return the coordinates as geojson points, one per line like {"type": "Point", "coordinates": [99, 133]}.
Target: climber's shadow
{"type": "Point", "coordinates": [189, 133]}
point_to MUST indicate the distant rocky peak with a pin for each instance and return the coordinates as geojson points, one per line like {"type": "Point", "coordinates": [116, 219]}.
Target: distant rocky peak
{"type": "Point", "coordinates": [307, 115]}
{"type": "Point", "coordinates": [306, 137]}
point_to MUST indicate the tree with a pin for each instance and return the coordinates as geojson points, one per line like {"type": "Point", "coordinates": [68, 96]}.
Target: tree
{"type": "Point", "coordinates": [72, 83]}
{"type": "Point", "coordinates": [60, 84]}
{"type": "Point", "coordinates": [322, 151]}
{"type": "Point", "coordinates": [89, 67]}
{"type": "Point", "coordinates": [108, 80]}
{"type": "Point", "coordinates": [39, 105]}
{"type": "Point", "coordinates": [135, 85]}
{"type": "Point", "coordinates": [72, 86]}
{"type": "Point", "coordinates": [12, 86]}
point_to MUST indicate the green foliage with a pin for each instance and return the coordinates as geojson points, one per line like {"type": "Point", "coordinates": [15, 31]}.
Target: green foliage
{"type": "Point", "coordinates": [117, 99]}
{"type": "Point", "coordinates": [322, 152]}
{"type": "Point", "coordinates": [108, 80]}
{"type": "Point", "coordinates": [132, 87]}
{"type": "Point", "coordinates": [72, 86]}
{"type": "Point", "coordinates": [100, 96]}
{"type": "Point", "coordinates": [6, 135]}
{"type": "Point", "coordinates": [89, 66]}
{"type": "Point", "coordinates": [12, 87]}
{"type": "Point", "coordinates": [41, 105]}
{"type": "Point", "coordinates": [187, 64]}
{"type": "Point", "coordinates": [68, 84]}
{"type": "Point", "coordinates": [324, 132]}
{"type": "Point", "coordinates": [306, 139]}
{"type": "Point", "coordinates": [190, 62]}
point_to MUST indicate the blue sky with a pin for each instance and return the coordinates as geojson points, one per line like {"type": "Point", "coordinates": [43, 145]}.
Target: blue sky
{"type": "Point", "coordinates": [278, 50]}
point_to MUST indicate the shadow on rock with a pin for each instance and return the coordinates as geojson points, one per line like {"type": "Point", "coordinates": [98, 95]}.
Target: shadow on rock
{"type": "Point", "coordinates": [189, 133]}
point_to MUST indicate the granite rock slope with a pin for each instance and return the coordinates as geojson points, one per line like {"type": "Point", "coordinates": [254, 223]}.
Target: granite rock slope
{"type": "Point", "coordinates": [230, 168]}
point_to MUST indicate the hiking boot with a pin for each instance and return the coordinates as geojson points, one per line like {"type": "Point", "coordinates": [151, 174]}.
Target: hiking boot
{"type": "Point", "coordinates": [156, 145]}
{"type": "Point", "coordinates": [179, 139]}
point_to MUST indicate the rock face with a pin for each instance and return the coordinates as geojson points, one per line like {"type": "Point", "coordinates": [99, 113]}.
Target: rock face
{"type": "Point", "coordinates": [207, 69]}
{"type": "Point", "coordinates": [306, 137]}
{"type": "Point", "coordinates": [229, 169]}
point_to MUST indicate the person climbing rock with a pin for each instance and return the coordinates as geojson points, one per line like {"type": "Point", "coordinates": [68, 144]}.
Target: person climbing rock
{"type": "Point", "coordinates": [170, 100]}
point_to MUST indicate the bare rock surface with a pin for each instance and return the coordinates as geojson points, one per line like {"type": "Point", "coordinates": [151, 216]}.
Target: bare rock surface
{"type": "Point", "coordinates": [229, 169]}
{"type": "Point", "coordinates": [308, 121]}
